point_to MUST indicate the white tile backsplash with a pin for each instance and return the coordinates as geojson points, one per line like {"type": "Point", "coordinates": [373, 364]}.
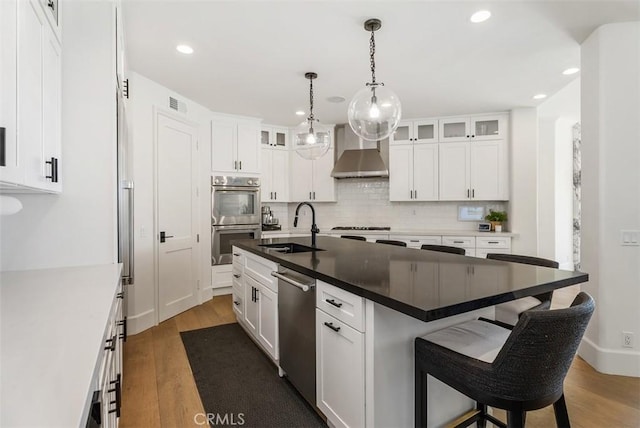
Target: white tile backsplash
{"type": "Point", "coordinates": [365, 202]}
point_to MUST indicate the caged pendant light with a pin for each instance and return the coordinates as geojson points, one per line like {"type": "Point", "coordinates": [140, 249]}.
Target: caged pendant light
{"type": "Point", "coordinates": [374, 112]}
{"type": "Point", "coordinates": [311, 139]}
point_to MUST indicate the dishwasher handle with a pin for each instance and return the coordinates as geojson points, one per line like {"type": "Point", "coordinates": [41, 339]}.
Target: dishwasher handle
{"type": "Point", "coordinates": [303, 287]}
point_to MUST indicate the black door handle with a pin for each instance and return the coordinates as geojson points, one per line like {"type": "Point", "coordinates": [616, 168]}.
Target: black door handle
{"type": "Point", "coordinates": [164, 236]}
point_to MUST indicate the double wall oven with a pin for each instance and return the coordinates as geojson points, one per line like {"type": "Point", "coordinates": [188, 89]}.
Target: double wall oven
{"type": "Point", "coordinates": [235, 214]}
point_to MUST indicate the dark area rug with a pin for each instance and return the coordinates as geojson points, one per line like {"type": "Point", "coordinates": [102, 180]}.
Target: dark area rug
{"type": "Point", "coordinates": [239, 385]}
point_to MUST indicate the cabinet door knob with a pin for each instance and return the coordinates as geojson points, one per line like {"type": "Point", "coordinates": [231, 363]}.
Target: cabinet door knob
{"type": "Point", "coordinates": [51, 5]}
{"type": "Point", "coordinates": [54, 170]}
{"type": "Point", "coordinates": [240, 164]}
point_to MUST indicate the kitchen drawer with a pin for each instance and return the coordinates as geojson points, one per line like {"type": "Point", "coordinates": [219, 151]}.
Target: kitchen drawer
{"type": "Point", "coordinates": [489, 242]}
{"type": "Point", "coordinates": [482, 252]}
{"type": "Point", "coordinates": [341, 304]}
{"type": "Point", "coordinates": [417, 241]}
{"type": "Point", "coordinates": [459, 241]}
{"type": "Point", "coordinates": [238, 256]}
{"type": "Point", "coordinates": [238, 302]}
{"type": "Point", "coordinates": [260, 269]}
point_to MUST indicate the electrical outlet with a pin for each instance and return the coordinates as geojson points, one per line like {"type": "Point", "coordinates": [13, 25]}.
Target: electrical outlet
{"type": "Point", "coordinates": [627, 339]}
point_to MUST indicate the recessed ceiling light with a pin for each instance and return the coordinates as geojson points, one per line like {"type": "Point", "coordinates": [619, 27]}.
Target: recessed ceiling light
{"type": "Point", "coordinates": [336, 99]}
{"type": "Point", "coordinates": [539, 96]}
{"type": "Point", "coordinates": [572, 70]}
{"type": "Point", "coordinates": [480, 16]}
{"type": "Point", "coordinates": [300, 113]}
{"type": "Point", "coordinates": [185, 49]}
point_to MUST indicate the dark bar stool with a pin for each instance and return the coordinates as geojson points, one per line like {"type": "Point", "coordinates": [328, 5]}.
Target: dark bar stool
{"type": "Point", "coordinates": [509, 312]}
{"type": "Point", "coordinates": [444, 249]}
{"type": "Point", "coordinates": [354, 237]}
{"type": "Point", "coordinates": [515, 370]}
{"type": "Point", "coordinates": [391, 242]}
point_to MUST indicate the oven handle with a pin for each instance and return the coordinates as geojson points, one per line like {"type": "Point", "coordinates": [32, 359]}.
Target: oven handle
{"type": "Point", "coordinates": [238, 227]}
{"type": "Point", "coordinates": [235, 189]}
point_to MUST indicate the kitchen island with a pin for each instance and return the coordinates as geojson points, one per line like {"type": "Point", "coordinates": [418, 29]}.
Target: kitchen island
{"type": "Point", "coordinates": [407, 293]}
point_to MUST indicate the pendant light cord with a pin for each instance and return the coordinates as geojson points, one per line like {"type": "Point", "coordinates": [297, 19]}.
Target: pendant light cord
{"type": "Point", "coordinates": [311, 100]}
{"type": "Point", "coordinates": [372, 60]}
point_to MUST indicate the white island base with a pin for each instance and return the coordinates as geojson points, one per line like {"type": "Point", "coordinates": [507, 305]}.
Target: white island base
{"type": "Point", "coordinates": [389, 369]}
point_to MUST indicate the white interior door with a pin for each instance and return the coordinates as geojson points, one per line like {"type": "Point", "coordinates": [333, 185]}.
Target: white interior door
{"type": "Point", "coordinates": [177, 216]}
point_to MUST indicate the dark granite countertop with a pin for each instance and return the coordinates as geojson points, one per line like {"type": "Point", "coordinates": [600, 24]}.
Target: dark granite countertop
{"type": "Point", "coordinates": [426, 285]}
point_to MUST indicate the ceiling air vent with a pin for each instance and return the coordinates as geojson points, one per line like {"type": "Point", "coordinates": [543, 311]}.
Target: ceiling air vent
{"type": "Point", "coordinates": [177, 105]}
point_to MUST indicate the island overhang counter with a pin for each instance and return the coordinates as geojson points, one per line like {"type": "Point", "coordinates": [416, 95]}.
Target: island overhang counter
{"type": "Point", "coordinates": [410, 293]}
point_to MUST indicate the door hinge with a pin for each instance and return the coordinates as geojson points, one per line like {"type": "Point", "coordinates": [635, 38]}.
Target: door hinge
{"type": "Point", "coordinates": [125, 88]}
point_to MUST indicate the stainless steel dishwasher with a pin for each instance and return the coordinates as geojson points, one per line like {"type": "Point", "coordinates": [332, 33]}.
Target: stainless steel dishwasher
{"type": "Point", "coordinates": [297, 330]}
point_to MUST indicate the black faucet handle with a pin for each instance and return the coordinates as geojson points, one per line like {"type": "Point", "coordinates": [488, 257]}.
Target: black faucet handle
{"type": "Point", "coordinates": [314, 228]}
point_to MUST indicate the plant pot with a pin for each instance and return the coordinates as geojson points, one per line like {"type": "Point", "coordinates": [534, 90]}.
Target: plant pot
{"type": "Point", "coordinates": [494, 224]}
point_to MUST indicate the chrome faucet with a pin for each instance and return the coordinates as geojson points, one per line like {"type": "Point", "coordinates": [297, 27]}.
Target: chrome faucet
{"type": "Point", "coordinates": [314, 227]}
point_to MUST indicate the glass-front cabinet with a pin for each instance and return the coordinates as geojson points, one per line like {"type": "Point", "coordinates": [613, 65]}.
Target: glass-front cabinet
{"type": "Point", "coordinates": [488, 127]}
{"type": "Point", "coordinates": [273, 136]}
{"type": "Point", "coordinates": [416, 131]}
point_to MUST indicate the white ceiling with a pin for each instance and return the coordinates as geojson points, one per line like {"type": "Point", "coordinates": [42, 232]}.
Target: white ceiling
{"type": "Point", "coordinates": [250, 56]}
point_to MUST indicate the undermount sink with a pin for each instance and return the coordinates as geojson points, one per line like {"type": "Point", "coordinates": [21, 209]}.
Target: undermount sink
{"type": "Point", "coordinates": [289, 247]}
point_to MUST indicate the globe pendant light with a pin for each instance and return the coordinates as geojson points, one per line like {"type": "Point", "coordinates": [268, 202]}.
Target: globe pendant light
{"type": "Point", "coordinates": [311, 139]}
{"type": "Point", "coordinates": [374, 112]}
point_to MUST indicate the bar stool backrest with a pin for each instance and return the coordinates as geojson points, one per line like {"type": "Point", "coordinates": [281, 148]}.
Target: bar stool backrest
{"type": "Point", "coordinates": [517, 258]}
{"type": "Point", "coordinates": [391, 242]}
{"type": "Point", "coordinates": [444, 249]}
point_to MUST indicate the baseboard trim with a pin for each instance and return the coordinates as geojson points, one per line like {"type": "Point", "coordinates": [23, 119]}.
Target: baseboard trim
{"type": "Point", "coordinates": [221, 291]}
{"type": "Point", "coordinates": [140, 322]}
{"type": "Point", "coordinates": [610, 361]}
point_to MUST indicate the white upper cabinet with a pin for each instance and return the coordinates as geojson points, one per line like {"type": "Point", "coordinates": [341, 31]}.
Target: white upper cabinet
{"type": "Point", "coordinates": [31, 112]}
{"type": "Point", "coordinates": [473, 171]}
{"type": "Point", "coordinates": [413, 172]}
{"type": "Point", "coordinates": [276, 137]}
{"type": "Point", "coordinates": [415, 131]}
{"type": "Point", "coordinates": [52, 12]}
{"type": "Point", "coordinates": [487, 127]}
{"type": "Point", "coordinates": [274, 175]}
{"type": "Point", "coordinates": [311, 180]}
{"type": "Point", "coordinates": [235, 146]}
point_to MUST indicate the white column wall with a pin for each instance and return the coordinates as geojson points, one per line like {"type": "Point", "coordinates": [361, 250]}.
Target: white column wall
{"type": "Point", "coordinates": [611, 193]}
{"type": "Point", "coordinates": [556, 117]}
{"type": "Point", "coordinates": [523, 202]}
{"type": "Point", "coordinates": [77, 227]}
{"type": "Point", "coordinates": [147, 95]}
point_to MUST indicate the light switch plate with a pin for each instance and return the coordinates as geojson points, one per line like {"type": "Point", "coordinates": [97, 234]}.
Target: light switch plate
{"type": "Point", "coordinates": [630, 237]}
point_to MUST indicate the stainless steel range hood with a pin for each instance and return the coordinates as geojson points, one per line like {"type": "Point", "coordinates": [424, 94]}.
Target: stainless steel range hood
{"type": "Point", "coordinates": [358, 158]}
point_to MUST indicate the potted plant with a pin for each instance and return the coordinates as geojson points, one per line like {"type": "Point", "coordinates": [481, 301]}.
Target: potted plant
{"type": "Point", "coordinates": [496, 218]}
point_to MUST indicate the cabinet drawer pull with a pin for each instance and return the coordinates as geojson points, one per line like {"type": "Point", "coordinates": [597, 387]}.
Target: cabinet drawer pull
{"type": "Point", "coordinates": [493, 242]}
{"type": "Point", "coordinates": [236, 254]}
{"type": "Point", "coordinates": [458, 242]}
{"type": "Point", "coordinates": [111, 344]}
{"type": "Point", "coordinates": [332, 327]}
{"type": "Point", "coordinates": [235, 275]}
{"type": "Point", "coordinates": [235, 302]}
{"type": "Point", "coordinates": [54, 170]}
{"type": "Point", "coordinates": [334, 303]}
{"type": "Point", "coordinates": [3, 148]}
{"type": "Point", "coordinates": [120, 295]}
{"type": "Point", "coordinates": [51, 5]}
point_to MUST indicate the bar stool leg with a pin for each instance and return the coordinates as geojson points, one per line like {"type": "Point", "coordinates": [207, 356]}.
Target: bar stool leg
{"type": "Point", "coordinates": [420, 399]}
{"type": "Point", "coordinates": [482, 422]}
{"type": "Point", "coordinates": [515, 419]}
{"type": "Point", "coordinates": [560, 411]}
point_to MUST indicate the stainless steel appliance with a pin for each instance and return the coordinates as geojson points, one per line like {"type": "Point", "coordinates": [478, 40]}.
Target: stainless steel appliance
{"type": "Point", "coordinates": [297, 330]}
{"type": "Point", "coordinates": [221, 237]}
{"type": "Point", "coordinates": [235, 200]}
{"type": "Point", "coordinates": [235, 214]}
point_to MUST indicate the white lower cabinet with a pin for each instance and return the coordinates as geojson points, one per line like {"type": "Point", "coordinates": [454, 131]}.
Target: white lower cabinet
{"type": "Point", "coordinates": [340, 358]}
{"type": "Point", "coordinates": [255, 299]}
{"type": "Point", "coordinates": [486, 245]}
{"type": "Point", "coordinates": [417, 241]}
{"type": "Point", "coordinates": [466, 242]}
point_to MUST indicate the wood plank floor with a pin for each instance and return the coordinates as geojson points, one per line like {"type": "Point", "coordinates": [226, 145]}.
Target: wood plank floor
{"type": "Point", "coordinates": [159, 390]}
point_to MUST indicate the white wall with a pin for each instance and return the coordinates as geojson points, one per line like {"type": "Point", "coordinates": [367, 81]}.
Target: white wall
{"type": "Point", "coordinates": [610, 110]}
{"type": "Point", "coordinates": [145, 96]}
{"type": "Point", "coordinates": [77, 227]}
{"type": "Point", "coordinates": [523, 203]}
{"type": "Point", "coordinates": [556, 118]}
